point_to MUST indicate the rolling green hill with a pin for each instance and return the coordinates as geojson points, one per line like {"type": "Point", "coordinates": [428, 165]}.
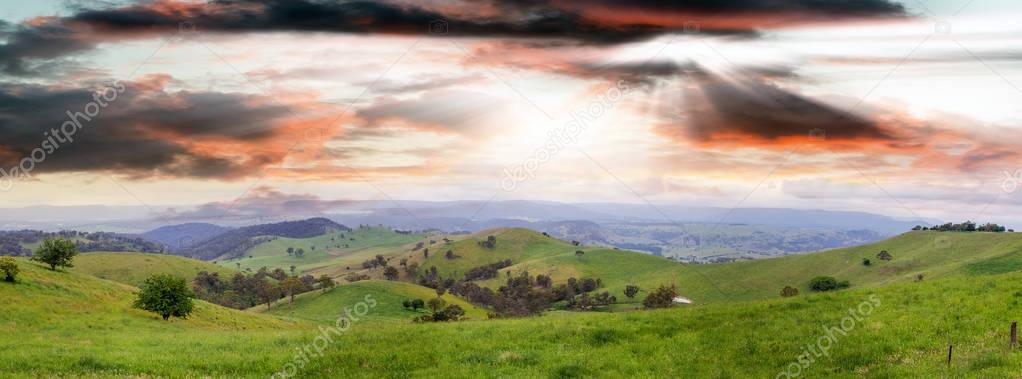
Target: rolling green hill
{"type": "Point", "coordinates": [332, 251]}
{"type": "Point", "coordinates": [324, 307]}
{"type": "Point", "coordinates": [932, 254]}
{"type": "Point", "coordinates": [134, 268]}
{"type": "Point", "coordinates": [68, 324]}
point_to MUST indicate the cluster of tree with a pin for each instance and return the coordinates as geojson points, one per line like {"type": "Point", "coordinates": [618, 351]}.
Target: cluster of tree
{"type": "Point", "coordinates": [245, 291]}
{"type": "Point", "coordinates": [12, 242]}
{"type": "Point", "coordinates": [524, 295]}
{"type": "Point", "coordinates": [355, 277]}
{"type": "Point", "coordinates": [439, 311]}
{"type": "Point", "coordinates": [489, 243]}
{"type": "Point", "coordinates": [377, 261]}
{"type": "Point", "coordinates": [662, 297]}
{"type": "Point", "coordinates": [489, 271]}
{"type": "Point", "coordinates": [299, 252]}
{"type": "Point", "coordinates": [585, 302]}
{"type": "Point", "coordinates": [967, 226]}
{"type": "Point", "coordinates": [827, 283]}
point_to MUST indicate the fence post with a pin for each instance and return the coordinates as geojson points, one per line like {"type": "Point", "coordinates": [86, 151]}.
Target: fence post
{"type": "Point", "coordinates": [1014, 334]}
{"type": "Point", "coordinates": [949, 349]}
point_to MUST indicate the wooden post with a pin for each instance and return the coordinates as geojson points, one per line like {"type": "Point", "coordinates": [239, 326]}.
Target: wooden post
{"type": "Point", "coordinates": [949, 348]}
{"type": "Point", "coordinates": [1014, 334]}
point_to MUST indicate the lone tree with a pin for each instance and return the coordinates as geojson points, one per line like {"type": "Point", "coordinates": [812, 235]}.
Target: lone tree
{"type": "Point", "coordinates": [9, 268]}
{"type": "Point", "coordinates": [662, 297]}
{"type": "Point", "coordinates": [325, 283]}
{"type": "Point", "coordinates": [884, 255]}
{"type": "Point", "coordinates": [789, 291]}
{"type": "Point", "coordinates": [631, 290]}
{"type": "Point", "coordinates": [166, 296]}
{"type": "Point", "coordinates": [866, 262]}
{"type": "Point", "coordinates": [290, 250]}
{"type": "Point", "coordinates": [56, 252]}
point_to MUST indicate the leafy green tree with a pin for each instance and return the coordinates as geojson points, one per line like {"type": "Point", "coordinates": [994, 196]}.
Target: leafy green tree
{"type": "Point", "coordinates": [56, 252]}
{"type": "Point", "coordinates": [436, 304]}
{"type": "Point", "coordinates": [290, 250]}
{"type": "Point", "coordinates": [631, 290]}
{"type": "Point", "coordinates": [9, 267]}
{"type": "Point", "coordinates": [325, 283]}
{"type": "Point", "coordinates": [166, 296]}
{"type": "Point", "coordinates": [453, 312]}
{"type": "Point", "coordinates": [292, 286]}
{"type": "Point", "coordinates": [662, 297]}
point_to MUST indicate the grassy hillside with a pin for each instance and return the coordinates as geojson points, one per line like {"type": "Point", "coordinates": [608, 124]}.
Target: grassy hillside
{"type": "Point", "coordinates": [932, 254]}
{"type": "Point", "coordinates": [324, 307]}
{"type": "Point", "coordinates": [332, 251]}
{"type": "Point", "coordinates": [134, 268]}
{"type": "Point", "coordinates": [70, 323]}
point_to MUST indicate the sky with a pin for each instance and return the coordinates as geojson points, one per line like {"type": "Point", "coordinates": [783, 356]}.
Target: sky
{"type": "Point", "coordinates": [904, 108]}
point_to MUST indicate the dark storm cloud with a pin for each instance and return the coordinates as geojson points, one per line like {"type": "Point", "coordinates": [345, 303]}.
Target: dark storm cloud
{"type": "Point", "coordinates": [751, 108]}
{"type": "Point", "coordinates": [143, 132]}
{"type": "Point", "coordinates": [58, 37]}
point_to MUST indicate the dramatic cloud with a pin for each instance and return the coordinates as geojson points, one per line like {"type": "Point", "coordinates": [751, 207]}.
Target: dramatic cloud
{"type": "Point", "coordinates": [141, 129]}
{"type": "Point", "coordinates": [591, 21]}
{"type": "Point", "coordinates": [748, 109]}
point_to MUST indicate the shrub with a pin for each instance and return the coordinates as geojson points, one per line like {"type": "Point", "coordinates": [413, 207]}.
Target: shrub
{"type": "Point", "coordinates": [789, 291]}
{"type": "Point", "coordinates": [866, 262]}
{"type": "Point", "coordinates": [354, 277]}
{"type": "Point", "coordinates": [884, 255]}
{"type": "Point", "coordinates": [662, 297]}
{"type": "Point", "coordinates": [631, 290]}
{"type": "Point", "coordinates": [827, 283]}
{"type": "Point", "coordinates": [56, 252]}
{"type": "Point", "coordinates": [325, 282]}
{"type": "Point", "coordinates": [166, 296]}
{"type": "Point", "coordinates": [9, 268]}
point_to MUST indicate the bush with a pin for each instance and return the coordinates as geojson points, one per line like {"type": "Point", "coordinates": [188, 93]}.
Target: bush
{"type": "Point", "coordinates": [662, 297]}
{"type": "Point", "coordinates": [884, 255]}
{"type": "Point", "coordinates": [631, 290]}
{"type": "Point", "coordinates": [827, 283]}
{"type": "Point", "coordinates": [866, 262]}
{"type": "Point", "coordinates": [9, 268]}
{"type": "Point", "coordinates": [789, 291]}
{"type": "Point", "coordinates": [166, 296]}
{"type": "Point", "coordinates": [56, 252]}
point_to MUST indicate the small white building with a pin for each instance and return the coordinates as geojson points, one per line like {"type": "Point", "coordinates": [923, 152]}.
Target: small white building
{"type": "Point", "coordinates": [681, 300]}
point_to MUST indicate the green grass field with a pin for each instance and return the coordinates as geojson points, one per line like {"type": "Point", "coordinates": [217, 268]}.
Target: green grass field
{"type": "Point", "coordinates": [327, 257]}
{"type": "Point", "coordinates": [70, 324]}
{"type": "Point", "coordinates": [134, 268]}
{"type": "Point", "coordinates": [325, 307]}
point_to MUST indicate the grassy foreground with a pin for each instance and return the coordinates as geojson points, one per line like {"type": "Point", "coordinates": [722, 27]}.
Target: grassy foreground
{"type": "Point", "coordinates": [69, 324]}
